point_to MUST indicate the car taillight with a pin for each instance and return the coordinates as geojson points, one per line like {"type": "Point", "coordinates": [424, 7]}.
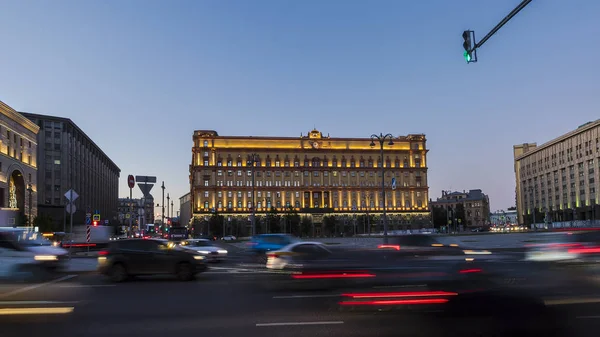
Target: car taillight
{"type": "Point", "coordinates": [470, 271]}
{"type": "Point", "coordinates": [103, 253]}
{"type": "Point", "coordinates": [273, 255]}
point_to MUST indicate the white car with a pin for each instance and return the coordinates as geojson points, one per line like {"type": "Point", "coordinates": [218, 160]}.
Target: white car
{"type": "Point", "coordinates": [205, 247]}
{"type": "Point", "coordinates": [229, 238]}
{"type": "Point", "coordinates": [282, 258]}
{"type": "Point", "coordinates": [20, 262]}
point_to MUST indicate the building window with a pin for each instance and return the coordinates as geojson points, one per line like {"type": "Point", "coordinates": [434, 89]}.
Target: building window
{"type": "Point", "coordinates": [206, 204]}
{"type": "Point", "coordinates": [206, 183]}
{"type": "Point", "coordinates": [206, 194]}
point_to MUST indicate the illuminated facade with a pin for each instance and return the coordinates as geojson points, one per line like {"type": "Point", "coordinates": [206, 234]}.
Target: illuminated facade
{"type": "Point", "coordinates": [558, 180]}
{"type": "Point", "coordinates": [18, 168]}
{"type": "Point", "coordinates": [314, 175]}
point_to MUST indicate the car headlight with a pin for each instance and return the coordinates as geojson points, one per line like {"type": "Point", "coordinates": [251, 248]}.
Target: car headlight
{"type": "Point", "coordinates": [198, 257]}
{"type": "Point", "coordinates": [203, 252]}
{"type": "Point", "coordinates": [46, 258]}
{"type": "Point", "coordinates": [222, 251]}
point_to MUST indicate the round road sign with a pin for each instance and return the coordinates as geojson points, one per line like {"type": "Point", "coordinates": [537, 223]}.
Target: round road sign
{"type": "Point", "coordinates": [131, 181]}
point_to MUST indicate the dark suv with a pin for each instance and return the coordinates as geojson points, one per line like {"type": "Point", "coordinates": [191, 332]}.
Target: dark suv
{"type": "Point", "coordinates": [132, 257]}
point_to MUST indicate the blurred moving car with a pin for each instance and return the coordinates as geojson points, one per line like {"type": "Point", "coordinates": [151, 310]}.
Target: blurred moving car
{"type": "Point", "coordinates": [573, 247]}
{"type": "Point", "coordinates": [133, 257]}
{"type": "Point", "coordinates": [229, 238]}
{"type": "Point", "coordinates": [27, 257]}
{"type": "Point", "coordinates": [269, 242]}
{"type": "Point", "coordinates": [207, 248]}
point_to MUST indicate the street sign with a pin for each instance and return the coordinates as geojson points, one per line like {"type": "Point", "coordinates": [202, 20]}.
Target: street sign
{"type": "Point", "coordinates": [71, 208]}
{"type": "Point", "coordinates": [96, 217]}
{"type": "Point", "coordinates": [145, 189]}
{"type": "Point", "coordinates": [71, 197]}
{"type": "Point", "coordinates": [88, 234]}
{"type": "Point", "coordinates": [88, 215]}
{"type": "Point", "coordinates": [88, 221]}
{"type": "Point", "coordinates": [145, 179]}
{"type": "Point", "coordinates": [131, 181]}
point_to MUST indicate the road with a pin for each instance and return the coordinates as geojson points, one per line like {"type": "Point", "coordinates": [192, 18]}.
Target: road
{"type": "Point", "coordinates": [231, 301]}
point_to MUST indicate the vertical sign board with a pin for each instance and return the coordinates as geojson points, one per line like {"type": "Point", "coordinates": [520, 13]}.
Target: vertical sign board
{"type": "Point", "coordinates": [88, 234]}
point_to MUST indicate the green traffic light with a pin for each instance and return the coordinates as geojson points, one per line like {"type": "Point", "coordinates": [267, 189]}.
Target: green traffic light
{"type": "Point", "coordinates": [467, 56]}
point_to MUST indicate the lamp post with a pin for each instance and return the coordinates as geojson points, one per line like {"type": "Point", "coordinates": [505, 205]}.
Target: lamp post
{"type": "Point", "coordinates": [252, 163]}
{"type": "Point", "coordinates": [381, 138]}
{"type": "Point", "coordinates": [30, 190]}
{"type": "Point", "coordinates": [171, 208]}
{"type": "Point", "coordinates": [162, 214]}
{"type": "Point", "coordinates": [169, 215]}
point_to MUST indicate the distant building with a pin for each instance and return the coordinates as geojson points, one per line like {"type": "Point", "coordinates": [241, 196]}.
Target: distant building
{"type": "Point", "coordinates": [185, 209]}
{"type": "Point", "coordinates": [95, 176]}
{"type": "Point", "coordinates": [557, 181]}
{"type": "Point", "coordinates": [132, 209]}
{"type": "Point", "coordinates": [476, 205]}
{"type": "Point", "coordinates": [18, 168]}
{"type": "Point", "coordinates": [504, 218]}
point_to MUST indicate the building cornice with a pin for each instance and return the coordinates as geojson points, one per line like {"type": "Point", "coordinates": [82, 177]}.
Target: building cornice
{"type": "Point", "coordinates": [17, 117]}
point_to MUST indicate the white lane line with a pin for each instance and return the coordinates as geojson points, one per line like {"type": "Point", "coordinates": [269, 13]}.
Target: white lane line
{"type": "Point", "coordinates": [305, 296]}
{"type": "Point", "coordinates": [35, 302]}
{"type": "Point", "coordinates": [87, 285]}
{"type": "Point", "coordinates": [299, 323]}
{"type": "Point", "coordinates": [588, 317]}
{"type": "Point", "coordinates": [35, 286]}
{"type": "Point", "coordinates": [568, 301]}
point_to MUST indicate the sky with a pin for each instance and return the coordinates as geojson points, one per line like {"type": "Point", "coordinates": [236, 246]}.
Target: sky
{"type": "Point", "coordinates": [139, 76]}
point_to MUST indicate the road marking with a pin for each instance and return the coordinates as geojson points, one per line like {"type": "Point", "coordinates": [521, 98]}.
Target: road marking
{"type": "Point", "coordinates": [305, 296]}
{"type": "Point", "coordinates": [36, 311]}
{"type": "Point", "coordinates": [299, 323]}
{"type": "Point", "coordinates": [567, 301]}
{"type": "Point", "coordinates": [35, 302]}
{"type": "Point", "coordinates": [87, 285]}
{"type": "Point", "coordinates": [35, 286]}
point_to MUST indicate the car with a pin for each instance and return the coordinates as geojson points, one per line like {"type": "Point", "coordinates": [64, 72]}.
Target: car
{"type": "Point", "coordinates": [263, 243]}
{"type": "Point", "coordinates": [565, 247]}
{"type": "Point", "coordinates": [229, 238]}
{"type": "Point", "coordinates": [207, 248]}
{"type": "Point", "coordinates": [21, 262]}
{"type": "Point", "coordinates": [138, 257]}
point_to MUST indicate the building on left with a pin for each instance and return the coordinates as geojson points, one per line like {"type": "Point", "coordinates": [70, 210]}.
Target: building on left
{"type": "Point", "coordinates": [18, 168]}
{"type": "Point", "coordinates": [68, 158]}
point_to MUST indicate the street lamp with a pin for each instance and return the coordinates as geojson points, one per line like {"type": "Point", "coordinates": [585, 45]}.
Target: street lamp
{"type": "Point", "coordinates": [381, 138]}
{"type": "Point", "coordinates": [30, 190]}
{"type": "Point", "coordinates": [252, 163]}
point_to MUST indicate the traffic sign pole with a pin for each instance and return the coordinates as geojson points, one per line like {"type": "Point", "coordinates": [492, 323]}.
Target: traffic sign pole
{"type": "Point", "coordinates": [131, 184]}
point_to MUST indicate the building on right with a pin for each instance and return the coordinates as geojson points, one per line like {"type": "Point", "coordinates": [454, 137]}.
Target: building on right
{"type": "Point", "coordinates": [557, 181]}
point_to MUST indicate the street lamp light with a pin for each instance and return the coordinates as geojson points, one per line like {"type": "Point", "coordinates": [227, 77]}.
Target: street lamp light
{"type": "Point", "coordinates": [30, 190]}
{"type": "Point", "coordinates": [381, 138]}
{"type": "Point", "coordinates": [252, 163]}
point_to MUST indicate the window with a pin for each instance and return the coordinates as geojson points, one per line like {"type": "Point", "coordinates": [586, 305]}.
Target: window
{"type": "Point", "coordinates": [206, 143]}
{"type": "Point", "coordinates": [56, 161]}
{"type": "Point", "coordinates": [206, 163]}
{"type": "Point", "coordinates": [206, 194]}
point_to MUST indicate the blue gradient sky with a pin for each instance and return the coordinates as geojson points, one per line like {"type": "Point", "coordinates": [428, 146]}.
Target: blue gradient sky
{"type": "Point", "coordinates": [139, 76]}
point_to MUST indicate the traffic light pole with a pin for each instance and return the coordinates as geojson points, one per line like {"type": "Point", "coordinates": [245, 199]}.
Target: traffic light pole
{"type": "Point", "coordinates": [510, 15]}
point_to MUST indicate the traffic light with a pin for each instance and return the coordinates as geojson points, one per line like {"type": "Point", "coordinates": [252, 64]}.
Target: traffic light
{"type": "Point", "coordinates": [467, 45]}
{"type": "Point", "coordinates": [95, 223]}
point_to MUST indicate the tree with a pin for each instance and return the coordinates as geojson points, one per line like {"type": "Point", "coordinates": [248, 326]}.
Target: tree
{"type": "Point", "coordinates": [273, 221]}
{"type": "Point", "coordinates": [440, 218]}
{"type": "Point", "coordinates": [292, 219]}
{"type": "Point", "coordinates": [330, 225]}
{"type": "Point", "coordinates": [306, 226]}
{"type": "Point", "coordinates": [216, 224]}
{"type": "Point", "coordinates": [459, 214]}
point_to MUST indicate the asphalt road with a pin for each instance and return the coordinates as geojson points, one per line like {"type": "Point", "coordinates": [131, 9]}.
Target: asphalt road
{"type": "Point", "coordinates": [230, 300]}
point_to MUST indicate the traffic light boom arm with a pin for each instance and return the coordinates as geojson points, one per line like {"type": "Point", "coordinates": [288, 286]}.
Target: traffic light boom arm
{"type": "Point", "coordinates": [501, 23]}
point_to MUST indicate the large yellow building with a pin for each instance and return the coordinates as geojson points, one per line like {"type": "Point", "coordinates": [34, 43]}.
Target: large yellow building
{"type": "Point", "coordinates": [557, 181]}
{"type": "Point", "coordinates": [315, 175]}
